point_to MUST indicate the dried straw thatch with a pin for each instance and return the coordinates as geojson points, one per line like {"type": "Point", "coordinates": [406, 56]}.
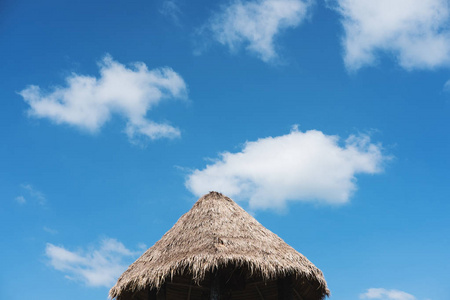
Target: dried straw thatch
{"type": "Point", "coordinates": [215, 234]}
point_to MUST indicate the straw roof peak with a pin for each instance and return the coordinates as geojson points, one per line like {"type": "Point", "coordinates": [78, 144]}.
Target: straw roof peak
{"type": "Point", "coordinates": [217, 233]}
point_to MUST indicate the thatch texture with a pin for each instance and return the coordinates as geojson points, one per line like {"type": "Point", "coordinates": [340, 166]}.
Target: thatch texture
{"type": "Point", "coordinates": [218, 233]}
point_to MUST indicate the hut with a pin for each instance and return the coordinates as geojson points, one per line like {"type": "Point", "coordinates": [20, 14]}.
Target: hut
{"type": "Point", "coordinates": [218, 251]}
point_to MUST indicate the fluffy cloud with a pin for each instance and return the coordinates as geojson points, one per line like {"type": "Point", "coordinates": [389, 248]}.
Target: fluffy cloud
{"type": "Point", "coordinates": [299, 166]}
{"type": "Point", "coordinates": [88, 102]}
{"type": "Point", "coordinates": [416, 32]}
{"type": "Point", "coordinates": [95, 267]}
{"type": "Point", "coordinates": [256, 24]}
{"type": "Point", "coordinates": [383, 294]}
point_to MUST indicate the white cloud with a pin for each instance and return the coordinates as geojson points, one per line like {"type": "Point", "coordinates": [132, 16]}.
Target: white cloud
{"type": "Point", "coordinates": [94, 267]}
{"type": "Point", "coordinates": [88, 102]}
{"type": "Point", "coordinates": [416, 32]}
{"type": "Point", "coordinates": [256, 24]}
{"type": "Point", "coordinates": [299, 166]}
{"type": "Point", "coordinates": [383, 294]}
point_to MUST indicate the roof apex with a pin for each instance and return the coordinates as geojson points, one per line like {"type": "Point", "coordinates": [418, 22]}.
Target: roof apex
{"type": "Point", "coordinates": [214, 234]}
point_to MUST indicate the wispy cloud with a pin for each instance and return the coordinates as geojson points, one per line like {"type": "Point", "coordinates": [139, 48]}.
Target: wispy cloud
{"type": "Point", "coordinates": [171, 9]}
{"type": "Point", "coordinates": [32, 194]}
{"type": "Point", "coordinates": [88, 102]}
{"type": "Point", "coordinates": [299, 166]}
{"type": "Point", "coordinates": [50, 230]}
{"type": "Point", "coordinates": [20, 199]}
{"type": "Point", "coordinates": [256, 24]}
{"type": "Point", "coordinates": [95, 267]}
{"type": "Point", "coordinates": [384, 294]}
{"type": "Point", "coordinates": [447, 86]}
{"type": "Point", "coordinates": [415, 32]}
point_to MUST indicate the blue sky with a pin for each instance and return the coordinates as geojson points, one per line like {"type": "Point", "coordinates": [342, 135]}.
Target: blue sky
{"type": "Point", "coordinates": [327, 120]}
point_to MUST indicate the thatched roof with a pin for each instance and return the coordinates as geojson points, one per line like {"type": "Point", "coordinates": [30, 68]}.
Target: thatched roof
{"type": "Point", "coordinates": [217, 233]}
